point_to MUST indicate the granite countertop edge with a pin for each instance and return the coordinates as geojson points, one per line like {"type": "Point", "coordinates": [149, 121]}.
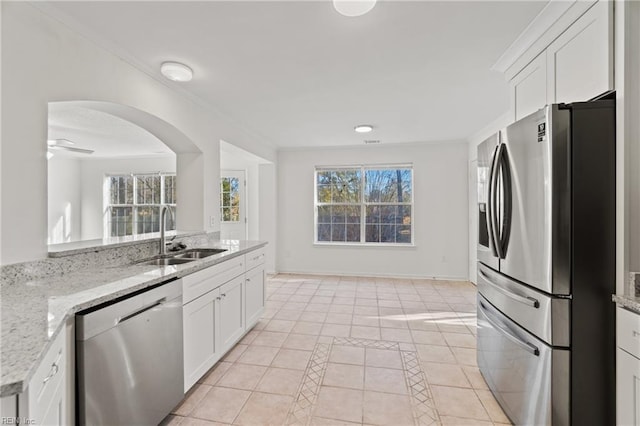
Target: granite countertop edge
{"type": "Point", "coordinates": [632, 303]}
{"type": "Point", "coordinates": [130, 278]}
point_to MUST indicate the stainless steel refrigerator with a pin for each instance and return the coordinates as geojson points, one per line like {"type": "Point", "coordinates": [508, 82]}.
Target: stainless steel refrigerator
{"type": "Point", "coordinates": [546, 265]}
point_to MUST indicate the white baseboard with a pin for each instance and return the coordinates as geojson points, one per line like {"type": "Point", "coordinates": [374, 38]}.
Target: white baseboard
{"type": "Point", "coordinates": [369, 275]}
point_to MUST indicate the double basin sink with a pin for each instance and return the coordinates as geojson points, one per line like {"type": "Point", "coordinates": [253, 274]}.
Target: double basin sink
{"type": "Point", "coordinates": [181, 257]}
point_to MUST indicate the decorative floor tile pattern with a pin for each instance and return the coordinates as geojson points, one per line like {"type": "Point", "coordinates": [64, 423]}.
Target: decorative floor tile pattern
{"type": "Point", "coordinates": [300, 413]}
{"type": "Point", "coordinates": [351, 350]}
{"type": "Point", "coordinates": [424, 412]}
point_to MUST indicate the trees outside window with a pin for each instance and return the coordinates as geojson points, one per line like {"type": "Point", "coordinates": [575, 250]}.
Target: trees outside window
{"type": "Point", "coordinates": [365, 204]}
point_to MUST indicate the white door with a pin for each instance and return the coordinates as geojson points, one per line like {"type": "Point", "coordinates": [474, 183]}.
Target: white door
{"type": "Point", "coordinates": [233, 210]}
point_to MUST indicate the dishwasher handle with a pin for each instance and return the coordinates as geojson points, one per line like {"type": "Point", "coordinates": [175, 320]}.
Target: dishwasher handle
{"type": "Point", "coordinates": [141, 310]}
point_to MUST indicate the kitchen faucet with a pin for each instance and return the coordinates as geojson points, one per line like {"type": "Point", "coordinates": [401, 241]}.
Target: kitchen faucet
{"type": "Point", "coordinates": [163, 214]}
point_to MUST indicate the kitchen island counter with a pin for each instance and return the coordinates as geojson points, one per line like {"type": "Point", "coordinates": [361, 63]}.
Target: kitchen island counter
{"type": "Point", "coordinates": [34, 311]}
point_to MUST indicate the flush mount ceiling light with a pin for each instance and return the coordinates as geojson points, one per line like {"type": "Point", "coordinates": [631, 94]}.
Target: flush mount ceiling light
{"type": "Point", "coordinates": [363, 128]}
{"type": "Point", "coordinates": [353, 7]}
{"type": "Point", "coordinates": [176, 71]}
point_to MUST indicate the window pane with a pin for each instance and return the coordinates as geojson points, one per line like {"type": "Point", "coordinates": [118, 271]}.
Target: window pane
{"type": "Point", "coordinates": [324, 214]}
{"type": "Point", "coordinates": [372, 233]}
{"type": "Point", "coordinates": [324, 178]}
{"type": "Point", "coordinates": [121, 189]}
{"type": "Point", "coordinates": [338, 232]}
{"type": "Point", "coordinates": [148, 219]}
{"type": "Point", "coordinates": [121, 221]}
{"type": "Point", "coordinates": [345, 186]}
{"type": "Point", "coordinates": [169, 189]}
{"type": "Point", "coordinates": [148, 189]}
{"type": "Point", "coordinates": [324, 193]}
{"type": "Point", "coordinates": [404, 234]}
{"type": "Point", "coordinates": [404, 215]}
{"type": "Point", "coordinates": [387, 233]}
{"type": "Point", "coordinates": [388, 185]}
{"type": "Point", "coordinates": [388, 214]}
{"type": "Point", "coordinates": [353, 214]}
{"type": "Point", "coordinates": [338, 214]}
{"type": "Point", "coordinates": [230, 199]}
{"type": "Point", "coordinates": [373, 214]}
{"type": "Point", "coordinates": [353, 233]}
{"type": "Point", "coordinates": [324, 232]}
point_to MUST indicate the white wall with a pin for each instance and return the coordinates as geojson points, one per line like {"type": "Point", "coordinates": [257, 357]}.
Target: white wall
{"type": "Point", "coordinates": [64, 206]}
{"type": "Point", "coordinates": [92, 193]}
{"type": "Point", "coordinates": [268, 217]}
{"type": "Point", "coordinates": [45, 61]}
{"type": "Point", "coordinates": [440, 214]}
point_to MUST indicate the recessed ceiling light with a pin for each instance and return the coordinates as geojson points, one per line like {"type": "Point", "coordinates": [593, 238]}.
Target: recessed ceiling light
{"type": "Point", "coordinates": [353, 7]}
{"type": "Point", "coordinates": [176, 71]}
{"type": "Point", "coordinates": [370, 141]}
{"type": "Point", "coordinates": [363, 128]}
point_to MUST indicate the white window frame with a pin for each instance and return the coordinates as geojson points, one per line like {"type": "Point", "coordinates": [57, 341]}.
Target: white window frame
{"type": "Point", "coordinates": [135, 205]}
{"type": "Point", "coordinates": [363, 205]}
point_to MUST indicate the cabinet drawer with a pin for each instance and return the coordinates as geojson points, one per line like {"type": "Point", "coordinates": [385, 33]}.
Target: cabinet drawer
{"type": "Point", "coordinates": [628, 331]}
{"type": "Point", "coordinates": [255, 258]}
{"type": "Point", "coordinates": [201, 282]}
{"type": "Point", "coordinates": [47, 378]}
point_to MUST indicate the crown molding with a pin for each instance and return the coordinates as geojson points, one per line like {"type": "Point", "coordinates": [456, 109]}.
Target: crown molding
{"type": "Point", "coordinates": [552, 21]}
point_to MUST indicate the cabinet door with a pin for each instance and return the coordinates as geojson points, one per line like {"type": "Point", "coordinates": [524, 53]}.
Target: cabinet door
{"type": "Point", "coordinates": [580, 61]}
{"type": "Point", "coordinates": [45, 401]}
{"type": "Point", "coordinates": [529, 88]}
{"type": "Point", "coordinates": [254, 296]}
{"type": "Point", "coordinates": [231, 317]}
{"type": "Point", "coordinates": [628, 389]}
{"type": "Point", "coordinates": [200, 350]}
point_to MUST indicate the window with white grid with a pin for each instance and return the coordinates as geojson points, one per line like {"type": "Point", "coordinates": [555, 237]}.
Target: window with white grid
{"type": "Point", "coordinates": [134, 202]}
{"type": "Point", "coordinates": [364, 204]}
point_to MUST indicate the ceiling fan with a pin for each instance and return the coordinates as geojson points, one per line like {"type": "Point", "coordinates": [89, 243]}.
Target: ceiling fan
{"type": "Point", "coordinates": [66, 145]}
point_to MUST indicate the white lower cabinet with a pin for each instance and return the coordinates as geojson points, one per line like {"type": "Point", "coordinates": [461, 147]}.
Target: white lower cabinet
{"type": "Point", "coordinates": [45, 401]}
{"type": "Point", "coordinates": [628, 367]}
{"type": "Point", "coordinates": [231, 324]}
{"type": "Point", "coordinates": [628, 389]}
{"type": "Point", "coordinates": [221, 304]}
{"type": "Point", "coordinates": [200, 348]}
{"type": "Point", "coordinates": [254, 295]}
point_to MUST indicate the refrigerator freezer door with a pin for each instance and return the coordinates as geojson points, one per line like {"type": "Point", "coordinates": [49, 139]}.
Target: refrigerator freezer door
{"type": "Point", "coordinates": [486, 249]}
{"type": "Point", "coordinates": [529, 379]}
{"type": "Point", "coordinates": [547, 317]}
{"type": "Point", "coordinates": [538, 251]}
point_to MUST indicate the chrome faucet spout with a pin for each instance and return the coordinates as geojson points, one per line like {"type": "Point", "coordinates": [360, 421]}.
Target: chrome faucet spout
{"type": "Point", "coordinates": [163, 216]}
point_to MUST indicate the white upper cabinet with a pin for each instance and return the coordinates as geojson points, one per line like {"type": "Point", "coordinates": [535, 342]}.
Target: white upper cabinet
{"type": "Point", "coordinates": [529, 88]}
{"type": "Point", "coordinates": [574, 64]}
{"type": "Point", "coordinates": [580, 61]}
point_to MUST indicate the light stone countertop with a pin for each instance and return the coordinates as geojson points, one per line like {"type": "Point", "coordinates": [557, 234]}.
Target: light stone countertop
{"type": "Point", "coordinates": [630, 302]}
{"type": "Point", "coordinates": [33, 312]}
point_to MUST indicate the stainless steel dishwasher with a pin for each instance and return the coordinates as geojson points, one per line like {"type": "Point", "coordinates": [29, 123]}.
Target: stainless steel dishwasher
{"type": "Point", "coordinates": [130, 358]}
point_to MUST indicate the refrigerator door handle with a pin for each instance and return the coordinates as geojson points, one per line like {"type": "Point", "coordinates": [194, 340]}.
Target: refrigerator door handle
{"type": "Point", "coordinates": [492, 203]}
{"type": "Point", "coordinates": [515, 339]}
{"type": "Point", "coordinates": [505, 230]}
{"type": "Point", "coordinates": [529, 301]}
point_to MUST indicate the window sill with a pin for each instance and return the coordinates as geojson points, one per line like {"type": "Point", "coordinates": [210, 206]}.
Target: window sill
{"type": "Point", "coordinates": [366, 245]}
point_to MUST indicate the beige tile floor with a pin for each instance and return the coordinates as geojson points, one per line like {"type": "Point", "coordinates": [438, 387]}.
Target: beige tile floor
{"type": "Point", "coordinates": [351, 350]}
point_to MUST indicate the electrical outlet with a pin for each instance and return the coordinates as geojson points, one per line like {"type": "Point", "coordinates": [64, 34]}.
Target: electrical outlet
{"type": "Point", "coordinates": [211, 221]}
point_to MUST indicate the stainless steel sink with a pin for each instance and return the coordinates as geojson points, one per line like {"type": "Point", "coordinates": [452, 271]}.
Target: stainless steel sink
{"type": "Point", "coordinates": [181, 257]}
{"type": "Point", "coordinates": [164, 261]}
{"type": "Point", "coordinates": [198, 253]}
